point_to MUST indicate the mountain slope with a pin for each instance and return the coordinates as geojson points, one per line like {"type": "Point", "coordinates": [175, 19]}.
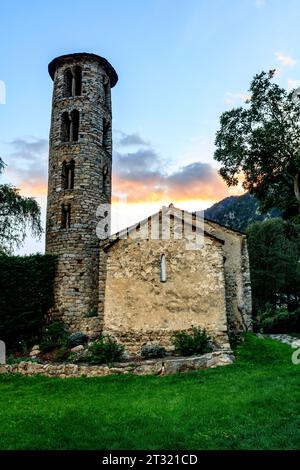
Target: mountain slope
{"type": "Point", "coordinates": [238, 212]}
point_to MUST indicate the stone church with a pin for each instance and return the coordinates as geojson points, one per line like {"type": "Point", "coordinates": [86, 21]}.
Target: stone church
{"type": "Point", "coordinates": [137, 287]}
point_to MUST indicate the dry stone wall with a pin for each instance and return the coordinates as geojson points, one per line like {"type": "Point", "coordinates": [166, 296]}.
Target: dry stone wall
{"type": "Point", "coordinates": [150, 367]}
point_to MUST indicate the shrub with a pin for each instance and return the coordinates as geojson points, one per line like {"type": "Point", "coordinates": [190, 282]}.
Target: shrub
{"type": "Point", "coordinates": [18, 360]}
{"type": "Point", "coordinates": [235, 338]}
{"type": "Point", "coordinates": [153, 350]}
{"type": "Point", "coordinates": [62, 354]}
{"type": "Point", "coordinates": [54, 335]}
{"type": "Point", "coordinates": [26, 294]}
{"type": "Point", "coordinates": [279, 321]}
{"type": "Point", "coordinates": [105, 350]}
{"type": "Point", "coordinates": [78, 338]}
{"type": "Point", "coordinates": [198, 342]}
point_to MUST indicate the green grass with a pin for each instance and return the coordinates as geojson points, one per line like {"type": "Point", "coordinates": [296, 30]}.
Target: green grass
{"type": "Point", "coordinates": [252, 404]}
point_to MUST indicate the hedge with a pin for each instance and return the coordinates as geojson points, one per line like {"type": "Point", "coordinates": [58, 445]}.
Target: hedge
{"type": "Point", "coordinates": [279, 321]}
{"type": "Point", "coordinates": [26, 294]}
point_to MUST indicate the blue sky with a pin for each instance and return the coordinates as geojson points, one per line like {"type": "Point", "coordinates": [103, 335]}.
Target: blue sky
{"type": "Point", "coordinates": [180, 65]}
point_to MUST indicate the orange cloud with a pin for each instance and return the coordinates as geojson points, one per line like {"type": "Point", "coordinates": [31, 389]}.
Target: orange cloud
{"type": "Point", "coordinates": [138, 175]}
{"type": "Point", "coordinates": [139, 192]}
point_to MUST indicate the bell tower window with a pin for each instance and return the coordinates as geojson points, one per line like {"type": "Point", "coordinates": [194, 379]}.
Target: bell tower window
{"type": "Point", "coordinates": [78, 81]}
{"type": "Point", "coordinates": [105, 179]}
{"type": "Point", "coordinates": [72, 82]}
{"type": "Point", "coordinates": [106, 91]}
{"type": "Point", "coordinates": [74, 129]}
{"type": "Point", "coordinates": [65, 127]}
{"type": "Point", "coordinates": [68, 171]}
{"type": "Point", "coordinates": [70, 126]}
{"type": "Point", "coordinates": [106, 134]}
{"type": "Point", "coordinates": [66, 216]}
{"type": "Point", "coordinates": [68, 84]}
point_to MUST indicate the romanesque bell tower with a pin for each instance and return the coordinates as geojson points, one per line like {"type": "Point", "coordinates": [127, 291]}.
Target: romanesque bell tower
{"type": "Point", "coordinates": [80, 162]}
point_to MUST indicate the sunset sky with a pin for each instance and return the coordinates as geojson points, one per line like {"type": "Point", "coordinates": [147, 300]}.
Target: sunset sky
{"type": "Point", "coordinates": [180, 65]}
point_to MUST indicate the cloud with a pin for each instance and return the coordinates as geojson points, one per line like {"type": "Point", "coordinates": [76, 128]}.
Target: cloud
{"type": "Point", "coordinates": [142, 176]}
{"type": "Point", "coordinates": [234, 98]}
{"type": "Point", "coordinates": [285, 60]}
{"type": "Point", "coordinates": [292, 84]}
{"type": "Point", "coordinates": [127, 140]}
{"type": "Point", "coordinates": [27, 165]}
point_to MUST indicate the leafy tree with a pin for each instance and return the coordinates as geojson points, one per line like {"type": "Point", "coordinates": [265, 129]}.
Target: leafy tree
{"type": "Point", "coordinates": [274, 251]}
{"type": "Point", "coordinates": [261, 143]}
{"type": "Point", "coordinates": [17, 214]}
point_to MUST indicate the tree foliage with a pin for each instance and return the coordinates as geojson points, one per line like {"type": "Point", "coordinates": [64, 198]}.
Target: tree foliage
{"type": "Point", "coordinates": [261, 144]}
{"type": "Point", "coordinates": [26, 294]}
{"type": "Point", "coordinates": [17, 215]}
{"type": "Point", "coordinates": [274, 251]}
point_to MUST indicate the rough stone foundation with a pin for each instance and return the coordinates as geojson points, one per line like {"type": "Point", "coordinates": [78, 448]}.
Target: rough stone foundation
{"type": "Point", "coordinates": [134, 340]}
{"type": "Point", "coordinates": [166, 366]}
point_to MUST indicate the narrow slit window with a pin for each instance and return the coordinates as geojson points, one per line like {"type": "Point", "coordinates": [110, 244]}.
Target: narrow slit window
{"type": "Point", "coordinates": [74, 129]}
{"type": "Point", "coordinates": [68, 171]}
{"type": "Point", "coordinates": [64, 175]}
{"type": "Point", "coordinates": [78, 81]}
{"type": "Point", "coordinates": [106, 133]}
{"type": "Point", "coordinates": [65, 127]}
{"type": "Point", "coordinates": [68, 84]}
{"type": "Point", "coordinates": [163, 268]}
{"type": "Point", "coordinates": [106, 92]}
{"type": "Point", "coordinates": [105, 179]}
{"type": "Point", "coordinates": [66, 216]}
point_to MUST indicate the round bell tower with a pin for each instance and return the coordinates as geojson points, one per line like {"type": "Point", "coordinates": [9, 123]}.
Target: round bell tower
{"type": "Point", "coordinates": [80, 163]}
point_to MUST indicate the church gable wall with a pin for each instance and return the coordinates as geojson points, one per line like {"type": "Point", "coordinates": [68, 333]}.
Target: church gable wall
{"type": "Point", "coordinates": [139, 308]}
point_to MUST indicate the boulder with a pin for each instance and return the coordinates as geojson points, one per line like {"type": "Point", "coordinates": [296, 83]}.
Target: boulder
{"type": "Point", "coordinates": [77, 349]}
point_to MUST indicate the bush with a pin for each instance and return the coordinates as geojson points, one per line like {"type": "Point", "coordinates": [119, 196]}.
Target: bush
{"type": "Point", "coordinates": [78, 338]}
{"type": "Point", "coordinates": [54, 335]}
{"type": "Point", "coordinates": [26, 294]}
{"type": "Point", "coordinates": [235, 338]}
{"type": "Point", "coordinates": [153, 350]}
{"type": "Point", "coordinates": [105, 350]}
{"type": "Point", "coordinates": [198, 342]}
{"type": "Point", "coordinates": [62, 354]}
{"type": "Point", "coordinates": [279, 321]}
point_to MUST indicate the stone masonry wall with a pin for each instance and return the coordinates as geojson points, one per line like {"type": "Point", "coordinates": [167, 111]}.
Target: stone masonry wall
{"type": "Point", "coordinates": [77, 247]}
{"type": "Point", "coordinates": [167, 366]}
{"type": "Point", "coordinates": [237, 276]}
{"type": "Point", "coordinates": [141, 309]}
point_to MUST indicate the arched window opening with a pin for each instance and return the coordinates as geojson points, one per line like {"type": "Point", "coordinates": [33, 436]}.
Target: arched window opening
{"type": "Point", "coordinates": [74, 125]}
{"type": "Point", "coordinates": [65, 127]}
{"type": "Point", "coordinates": [106, 134]}
{"type": "Point", "coordinates": [105, 179]}
{"type": "Point", "coordinates": [106, 91]}
{"type": "Point", "coordinates": [68, 170]}
{"type": "Point", "coordinates": [65, 216]}
{"type": "Point", "coordinates": [78, 81]}
{"type": "Point", "coordinates": [163, 268]}
{"type": "Point", "coordinates": [68, 84]}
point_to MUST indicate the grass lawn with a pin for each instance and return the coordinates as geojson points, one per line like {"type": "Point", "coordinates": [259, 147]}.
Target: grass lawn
{"type": "Point", "coordinates": [252, 404]}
